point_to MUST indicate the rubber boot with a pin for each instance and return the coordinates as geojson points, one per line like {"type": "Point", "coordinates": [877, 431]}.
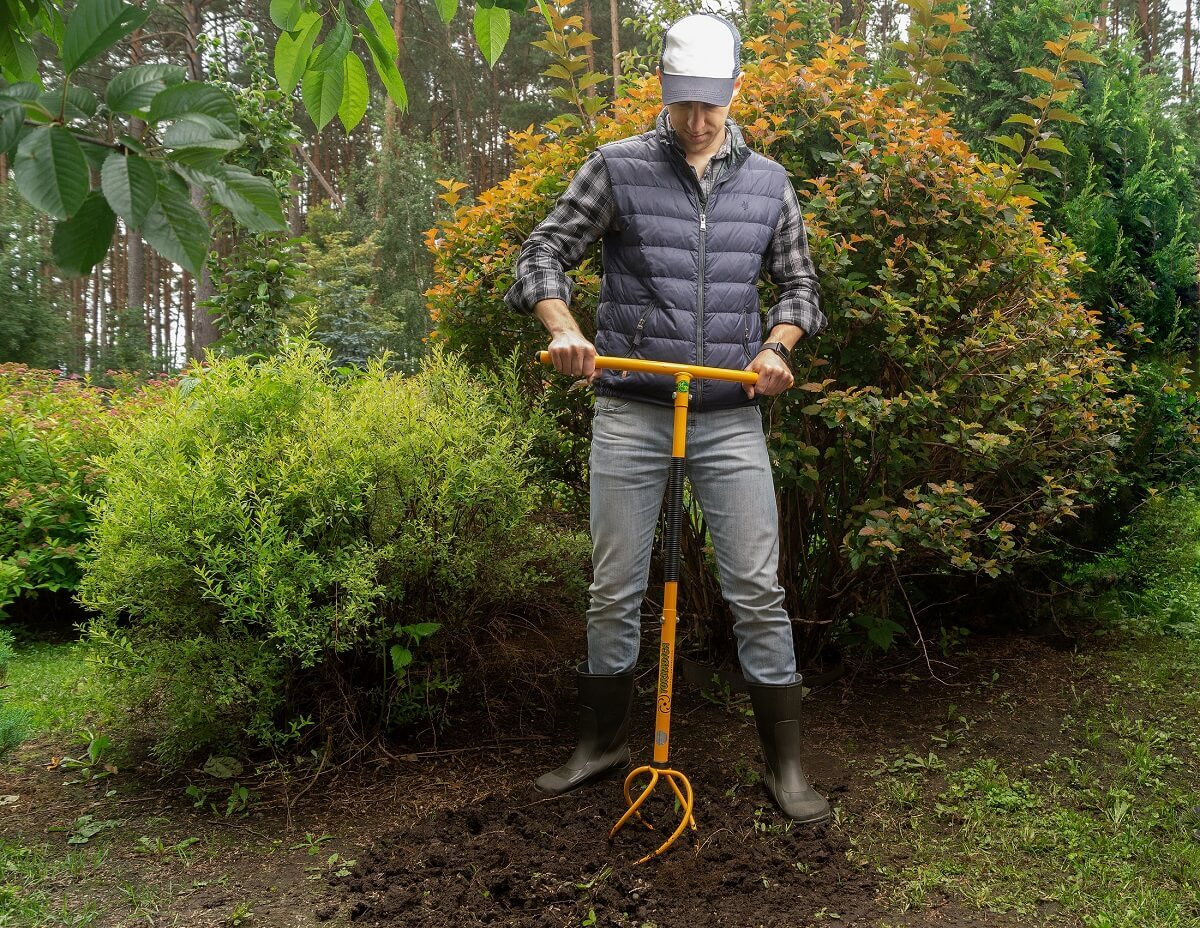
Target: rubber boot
{"type": "Point", "coordinates": [604, 704]}
{"type": "Point", "coordinates": [777, 715]}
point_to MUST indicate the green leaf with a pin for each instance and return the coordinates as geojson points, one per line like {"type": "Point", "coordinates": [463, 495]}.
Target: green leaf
{"type": "Point", "coordinates": [194, 97]}
{"type": "Point", "coordinates": [355, 95]}
{"type": "Point", "coordinates": [385, 67]}
{"type": "Point", "coordinates": [492, 27]}
{"type": "Point", "coordinates": [322, 92]}
{"type": "Point", "coordinates": [131, 90]}
{"type": "Point", "coordinates": [1053, 143]}
{"type": "Point", "coordinates": [513, 6]}
{"type": "Point", "coordinates": [1009, 141]}
{"type": "Point", "coordinates": [1063, 115]}
{"type": "Point", "coordinates": [82, 99]}
{"type": "Point", "coordinates": [1028, 190]}
{"type": "Point", "coordinates": [80, 103]}
{"type": "Point", "coordinates": [130, 187]}
{"type": "Point", "coordinates": [285, 14]}
{"type": "Point", "coordinates": [175, 229]}
{"type": "Point", "coordinates": [446, 9]}
{"type": "Point", "coordinates": [51, 171]}
{"type": "Point", "coordinates": [253, 200]}
{"type": "Point", "coordinates": [223, 768]}
{"type": "Point", "coordinates": [292, 50]}
{"type": "Point", "coordinates": [383, 28]}
{"type": "Point", "coordinates": [401, 658]}
{"type": "Point", "coordinates": [94, 26]}
{"type": "Point", "coordinates": [17, 56]}
{"type": "Point", "coordinates": [12, 120]}
{"type": "Point", "coordinates": [81, 242]}
{"type": "Point", "coordinates": [1023, 118]}
{"type": "Point", "coordinates": [334, 48]}
{"type": "Point", "coordinates": [422, 629]}
{"type": "Point", "coordinates": [200, 140]}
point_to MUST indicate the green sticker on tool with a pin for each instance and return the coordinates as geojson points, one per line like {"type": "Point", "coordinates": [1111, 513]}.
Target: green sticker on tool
{"type": "Point", "coordinates": [681, 386]}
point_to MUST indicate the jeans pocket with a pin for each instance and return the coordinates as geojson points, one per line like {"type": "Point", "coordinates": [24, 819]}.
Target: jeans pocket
{"type": "Point", "coordinates": [611, 403]}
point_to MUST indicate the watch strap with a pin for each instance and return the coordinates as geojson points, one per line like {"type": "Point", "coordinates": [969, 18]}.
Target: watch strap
{"type": "Point", "coordinates": [780, 349]}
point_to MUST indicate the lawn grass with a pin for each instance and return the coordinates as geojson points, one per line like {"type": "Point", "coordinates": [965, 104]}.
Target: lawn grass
{"type": "Point", "coordinates": [51, 682]}
{"type": "Point", "coordinates": [1104, 831]}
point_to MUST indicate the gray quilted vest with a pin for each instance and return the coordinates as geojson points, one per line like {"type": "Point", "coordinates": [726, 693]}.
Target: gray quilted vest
{"type": "Point", "coordinates": [679, 283]}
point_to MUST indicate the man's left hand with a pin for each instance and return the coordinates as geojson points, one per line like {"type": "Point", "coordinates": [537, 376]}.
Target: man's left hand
{"type": "Point", "coordinates": [774, 376]}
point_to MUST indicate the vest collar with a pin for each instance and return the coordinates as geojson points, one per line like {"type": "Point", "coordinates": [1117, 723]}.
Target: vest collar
{"type": "Point", "coordinates": [734, 145]}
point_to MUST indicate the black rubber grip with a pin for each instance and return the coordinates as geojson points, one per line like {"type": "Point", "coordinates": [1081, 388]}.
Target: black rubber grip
{"type": "Point", "coordinates": [674, 520]}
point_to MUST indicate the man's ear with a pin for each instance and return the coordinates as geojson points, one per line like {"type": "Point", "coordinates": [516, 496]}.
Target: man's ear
{"type": "Point", "coordinates": [737, 84]}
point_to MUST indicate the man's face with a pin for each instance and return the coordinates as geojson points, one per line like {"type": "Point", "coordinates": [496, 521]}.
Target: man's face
{"type": "Point", "coordinates": [700, 127]}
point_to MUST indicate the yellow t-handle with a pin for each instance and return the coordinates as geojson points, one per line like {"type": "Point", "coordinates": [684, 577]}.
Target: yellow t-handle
{"type": "Point", "coordinates": [695, 371]}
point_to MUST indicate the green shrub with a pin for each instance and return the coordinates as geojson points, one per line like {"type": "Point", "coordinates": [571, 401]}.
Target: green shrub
{"type": "Point", "coordinates": [55, 429]}
{"type": "Point", "coordinates": [287, 553]}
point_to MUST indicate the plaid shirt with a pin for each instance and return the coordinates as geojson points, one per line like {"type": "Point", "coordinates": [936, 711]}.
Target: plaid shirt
{"type": "Point", "coordinates": [585, 211]}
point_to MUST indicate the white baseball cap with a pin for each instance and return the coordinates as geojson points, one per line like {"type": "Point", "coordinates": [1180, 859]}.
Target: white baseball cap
{"type": "Point", "coordinates": [701, 58]}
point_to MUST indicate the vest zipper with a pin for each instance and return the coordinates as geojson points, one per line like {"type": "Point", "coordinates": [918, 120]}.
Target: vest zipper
{"type": "Point", "coordinates": [638, 332]}
{"type": "Point", "coordinates": [700, 299]}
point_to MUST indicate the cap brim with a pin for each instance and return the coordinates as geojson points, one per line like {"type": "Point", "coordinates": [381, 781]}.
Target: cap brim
{"type": "Point", "coordinates": [681, 88]}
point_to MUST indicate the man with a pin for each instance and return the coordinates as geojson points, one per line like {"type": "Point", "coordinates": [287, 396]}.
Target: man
{"type": "Point", "coordinates": [689, 216]}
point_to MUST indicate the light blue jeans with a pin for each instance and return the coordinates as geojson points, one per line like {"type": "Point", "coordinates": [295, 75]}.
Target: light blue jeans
{"type": "Point", "coordinates": [730, 474]}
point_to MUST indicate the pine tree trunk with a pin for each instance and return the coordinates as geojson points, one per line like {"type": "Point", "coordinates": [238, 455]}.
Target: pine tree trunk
{"type": "Point", "coordinates": [204, 327]}
{"type": "Point", "coordinates": [614, 24]}
{"type": "Point", "coordinates": [1143, 11]}
{"type": "Point", "coordinates": [391, 121]}
{"type": "Point", "coordinates": [135, 279]}
{"type": "Point", "coordinates": [1186, 90]}
{"type": "Point", "coordinates": [589, 49]}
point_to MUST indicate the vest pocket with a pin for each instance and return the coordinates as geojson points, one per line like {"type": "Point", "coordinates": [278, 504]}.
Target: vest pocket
{"type": "Point", "coordinates": [639, 331]}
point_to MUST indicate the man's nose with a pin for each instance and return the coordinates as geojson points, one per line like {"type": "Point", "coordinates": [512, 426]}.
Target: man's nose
{"type": "Point", "coordinates": [695, 118]}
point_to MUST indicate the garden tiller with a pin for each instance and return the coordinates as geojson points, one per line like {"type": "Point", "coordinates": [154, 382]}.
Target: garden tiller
{"type": "Point", "coordinates": [658, 769]}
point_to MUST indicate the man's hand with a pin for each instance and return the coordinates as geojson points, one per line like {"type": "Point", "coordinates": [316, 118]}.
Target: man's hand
{"type": "Point", "coordinates": [774, 376]}
{"type": "Point", "coordinates": [572, 354]}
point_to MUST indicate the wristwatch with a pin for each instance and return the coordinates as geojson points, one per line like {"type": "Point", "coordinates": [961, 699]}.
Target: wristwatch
{"type": "Point", "coordinates": [780, 349]}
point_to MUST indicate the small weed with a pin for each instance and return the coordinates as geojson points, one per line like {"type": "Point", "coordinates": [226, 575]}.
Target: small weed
{"type": "Point", "coordinates": [87, 827]}
{"type": "Point", "coordinates": [909, 762]}
{"type": "Point", "coordinates": [311, 843]}
{"type": "Point", "coordinates": [335, 865]}
{"type": "Point", "coordinates": [238, 801]}
{"type": "Point", "coordinates": [241, 914]}
{"type": "Point", "coordinates": [746, 775]}
{"type": "Point", "coordinates": [604, 873]}
{"type": "Point", "coordinates": [764, 827]}
{"type": "Point", "coordinates": [91, 766]}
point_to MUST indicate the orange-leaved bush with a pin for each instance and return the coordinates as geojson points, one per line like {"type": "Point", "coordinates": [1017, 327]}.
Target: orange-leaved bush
{"type": "Point", "coordinates": [961, 403]}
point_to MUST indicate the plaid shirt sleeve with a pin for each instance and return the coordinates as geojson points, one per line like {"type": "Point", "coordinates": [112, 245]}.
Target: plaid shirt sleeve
{"type": "Point", "coordinates": [789, 265]}
{"type": "Point", "coordinates": [580, 217]}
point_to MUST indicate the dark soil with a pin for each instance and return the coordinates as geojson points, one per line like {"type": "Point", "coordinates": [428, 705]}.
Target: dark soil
{"type": "Point", "coordinates": [517, 859]}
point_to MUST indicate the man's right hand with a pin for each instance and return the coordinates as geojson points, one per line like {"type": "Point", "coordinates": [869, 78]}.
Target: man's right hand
{"type": "Point", "coordinates": [574, 355]}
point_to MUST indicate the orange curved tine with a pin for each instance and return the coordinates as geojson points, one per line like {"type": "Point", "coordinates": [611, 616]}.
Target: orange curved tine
{"type": "Point", "coordinates": [634, 805]}
{"type": "Point", "coordinates": [686, 803]}
{"type": "Point", "coordinates": [687, 813]}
